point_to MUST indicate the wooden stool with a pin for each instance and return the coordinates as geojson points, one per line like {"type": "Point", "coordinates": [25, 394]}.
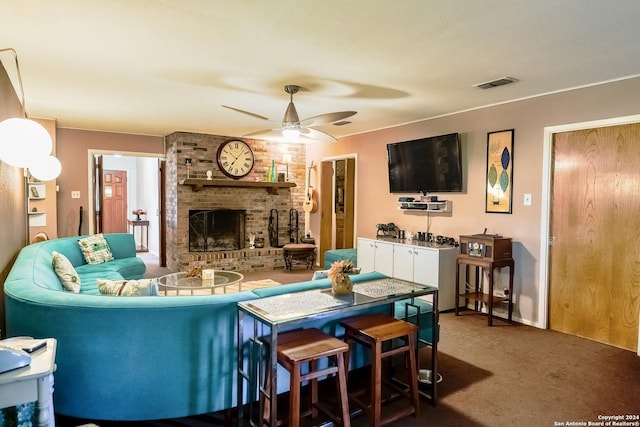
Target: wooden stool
{"type": "Point", "coordinates": [310, 345]}
{"type": "Point", "coordinates": [374, 330]}
{"type": "Point", "coordinates": [299, 252]}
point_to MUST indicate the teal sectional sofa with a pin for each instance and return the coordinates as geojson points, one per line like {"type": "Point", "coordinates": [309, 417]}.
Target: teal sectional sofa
{"type": "Point", "coordinates": [132, 358]}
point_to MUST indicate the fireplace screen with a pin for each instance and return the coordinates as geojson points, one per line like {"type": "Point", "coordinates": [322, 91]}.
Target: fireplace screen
{"type": "Point", "coordinates": [216, 230]}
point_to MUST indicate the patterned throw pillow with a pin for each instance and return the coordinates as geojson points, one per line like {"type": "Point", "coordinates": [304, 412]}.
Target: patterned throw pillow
{"type": "Point", "coordinates": [65, 271]}
{"type": "Point", "coordinates": [95, 249]}
{"type": "Point", "coordinates": [128, 288]}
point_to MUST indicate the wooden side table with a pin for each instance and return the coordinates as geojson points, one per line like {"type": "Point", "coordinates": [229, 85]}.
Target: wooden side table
{"type": "Point", "coordinates": [144, 226]}
{"type": "Point", "coordinates": [477, 295]}
{"type": "Point", "coordinates": [32, 383]}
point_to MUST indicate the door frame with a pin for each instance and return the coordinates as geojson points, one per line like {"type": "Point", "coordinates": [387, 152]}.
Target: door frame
{"type": "Point", "coordinates": [545, 226]}
{"type": "Point", "coordinates": [90, 204]}
{"type": "Point", "coordinates": [353, 156]}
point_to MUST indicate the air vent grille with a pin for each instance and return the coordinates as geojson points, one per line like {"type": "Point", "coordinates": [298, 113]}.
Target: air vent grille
{"type": "Point", "coordinates": [497, 82]}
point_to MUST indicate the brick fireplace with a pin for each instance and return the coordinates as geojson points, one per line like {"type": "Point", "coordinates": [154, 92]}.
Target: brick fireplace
{"type": "Point", "coordinates": [254, 204]}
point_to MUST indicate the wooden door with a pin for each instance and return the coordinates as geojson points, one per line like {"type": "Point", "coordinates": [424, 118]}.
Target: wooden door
{"type": "Point", "coordinates": [349, 203]}
{"type": "Point", "coordinates": [114, 197]}
{"type": "Point", "coordinates": [97, 194]}
{"type": "Point", "coordinates": [326, 209]}
{"type": "Point", "coordinates": [594, 284]}
{"type": "Point", "coordinates": [162, 180]}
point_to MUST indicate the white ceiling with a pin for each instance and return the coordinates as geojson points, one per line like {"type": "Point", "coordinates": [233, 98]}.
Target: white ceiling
{"type": "Point", "coordinates": [159, 66]}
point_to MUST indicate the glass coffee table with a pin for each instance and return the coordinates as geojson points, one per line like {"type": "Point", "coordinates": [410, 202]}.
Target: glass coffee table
{"type": "Point", "coordinates": [180, 282]}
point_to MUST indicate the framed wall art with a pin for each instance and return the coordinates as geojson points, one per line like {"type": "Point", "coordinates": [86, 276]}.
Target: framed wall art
{"type": "Point", "coordinates": [499, 171]}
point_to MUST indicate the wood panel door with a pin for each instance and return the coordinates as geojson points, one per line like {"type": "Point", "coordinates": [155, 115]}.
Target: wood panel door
{"type": "Point", "coordinates": [594, 289]}
{"type": "Point", "coordinates": [326, 209]}
{"type": "Point", "coordinates": [114, 199]}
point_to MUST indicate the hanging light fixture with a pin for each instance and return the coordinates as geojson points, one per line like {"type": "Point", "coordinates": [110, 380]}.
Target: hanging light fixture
{"type": "Point", "coordinates": [25, 142]}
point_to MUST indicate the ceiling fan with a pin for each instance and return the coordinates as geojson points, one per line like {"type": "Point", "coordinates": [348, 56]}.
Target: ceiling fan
{"type": "Point", "coordinates": [292, 129]}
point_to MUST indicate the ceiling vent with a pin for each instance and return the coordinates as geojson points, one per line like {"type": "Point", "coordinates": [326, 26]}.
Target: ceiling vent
{"type": "Point", "coordinates": [497, 82]}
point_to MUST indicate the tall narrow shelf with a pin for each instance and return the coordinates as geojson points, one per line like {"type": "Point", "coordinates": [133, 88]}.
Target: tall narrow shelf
{"type": "Point", "coordinates": [37, 192]}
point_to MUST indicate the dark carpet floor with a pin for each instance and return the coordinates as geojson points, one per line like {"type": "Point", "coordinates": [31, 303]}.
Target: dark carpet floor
{"type": "Point", "coordinates": [505, 375]}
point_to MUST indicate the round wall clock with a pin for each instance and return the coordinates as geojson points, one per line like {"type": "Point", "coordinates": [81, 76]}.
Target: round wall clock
{"type": "Point", "coordinates": [235, 158]}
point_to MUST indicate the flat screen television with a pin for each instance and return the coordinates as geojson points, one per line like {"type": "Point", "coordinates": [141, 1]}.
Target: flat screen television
{"type": "Point", "coordinates": [426, 165]}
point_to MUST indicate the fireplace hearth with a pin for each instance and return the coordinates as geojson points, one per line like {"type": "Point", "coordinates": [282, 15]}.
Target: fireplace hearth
{"type": "Point", "coordinates": [216, 230]}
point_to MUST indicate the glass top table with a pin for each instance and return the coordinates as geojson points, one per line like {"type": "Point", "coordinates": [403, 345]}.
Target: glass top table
{"type": "Point", "coordinates": [296, 309]}
{"type": "Point", "coordinates": [192, 285]}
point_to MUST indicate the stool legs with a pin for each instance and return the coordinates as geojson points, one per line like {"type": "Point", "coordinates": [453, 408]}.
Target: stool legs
{"type": "Point", "coordinates": [374, 331]}
{"type": "Point", "coordinates": [309, 346]}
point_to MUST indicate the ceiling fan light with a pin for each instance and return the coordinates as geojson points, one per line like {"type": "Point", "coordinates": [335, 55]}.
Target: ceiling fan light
{"type": "Point", "coordinates": [291, 132]}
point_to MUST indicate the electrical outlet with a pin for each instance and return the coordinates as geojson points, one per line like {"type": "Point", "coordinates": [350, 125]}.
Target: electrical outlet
{"type": "Point", "coordinates": [75, 194]}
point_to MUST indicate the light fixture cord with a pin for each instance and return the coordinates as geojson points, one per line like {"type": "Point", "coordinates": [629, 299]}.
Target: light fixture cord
{"type": "Point", "coordinates": [15, 56]}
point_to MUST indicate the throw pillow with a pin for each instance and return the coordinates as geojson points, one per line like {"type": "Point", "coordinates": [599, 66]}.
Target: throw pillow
{"type": "Point", "coordinates": [95, 249]}
{"type": "Point", "coordinates": [65, 271]}
{"type": "Point", "coordinates": [128, 288]}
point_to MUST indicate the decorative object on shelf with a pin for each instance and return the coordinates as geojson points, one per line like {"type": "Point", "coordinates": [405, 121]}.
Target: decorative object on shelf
{"type": "Point", "coordinates": [387, 230]}
{"type": "Point", "coordinates": [209, 175]}
{"type": "Point", "coordinates": [286, 160]}
{"type": "Point", "coordinates": [137, 213]}
{"type": "Point", "coordinates": [34, 209]}
{"type": "Point", "coordinates": [235, 158]}
{"type": "Point", "coordinates": [499, 171]}
{"type": "Point", "coordinates": [259, 242]}
{"type": "Point", "coordinates": [272, 171]}
{"type": "Point", "coordinates": [187, 163]}
{"type": "Point", "coordinates": [34, 192]}
{"type": "Point", "coordinates": [339, 272]}
{"type": "Point", "coordinates": [252, 241]}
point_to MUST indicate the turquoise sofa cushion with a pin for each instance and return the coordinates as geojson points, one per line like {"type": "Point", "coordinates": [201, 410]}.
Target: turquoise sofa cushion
{"type": "Point", "coordinates": [334, 255]}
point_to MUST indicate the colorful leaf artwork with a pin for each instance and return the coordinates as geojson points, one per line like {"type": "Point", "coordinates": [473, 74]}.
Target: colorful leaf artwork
{"type": "Point", "coordinates": [493, 176]}
{"type": "Point", "coordinates": [505, 158]}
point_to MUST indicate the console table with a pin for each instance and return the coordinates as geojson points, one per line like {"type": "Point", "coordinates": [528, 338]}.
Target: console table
{"type": "Point", "coordinates": [296, 309]}
{"type": "Point", "coordinates": [144, 226]}
{"type": "Point", "coordinates": [32, 383]}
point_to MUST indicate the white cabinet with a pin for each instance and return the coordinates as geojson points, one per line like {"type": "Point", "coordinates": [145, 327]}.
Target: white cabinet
{"type": "Point", "coordinates": [375, 255]}
{"type": "Point", "coordinates": [433, 266]}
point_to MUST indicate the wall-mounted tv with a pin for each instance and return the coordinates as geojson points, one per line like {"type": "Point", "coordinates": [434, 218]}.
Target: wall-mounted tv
{"type": "Point", "coordinates": [426, 165]}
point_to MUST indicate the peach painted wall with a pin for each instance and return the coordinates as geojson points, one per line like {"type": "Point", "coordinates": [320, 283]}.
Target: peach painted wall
{"type": "Point", "coordinates": [529, 118]}
{"type": "Point", "coordinates": [73, 152]}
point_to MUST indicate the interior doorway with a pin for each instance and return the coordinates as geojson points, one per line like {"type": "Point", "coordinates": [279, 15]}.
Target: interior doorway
{"type": "Point", "coordinates": [144, 189]}
{"type": "Point", "coordinates": [114, 200]}
{"type": "Point", "coordinates": [337, 223]}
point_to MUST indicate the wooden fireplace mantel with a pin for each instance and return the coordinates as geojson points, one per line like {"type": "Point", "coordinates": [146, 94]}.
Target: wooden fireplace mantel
{"type": "Point", "coordinates": [271, 187]}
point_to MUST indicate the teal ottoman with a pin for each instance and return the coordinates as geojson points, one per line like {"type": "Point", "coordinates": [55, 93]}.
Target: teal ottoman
{"type": "Point", "coordinates": [340, 254]}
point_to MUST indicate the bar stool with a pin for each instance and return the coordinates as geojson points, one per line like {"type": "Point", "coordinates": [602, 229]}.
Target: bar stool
{"type": "Point", "coordinates": [310, 345]}
{"type": "Point", "coordinates": [378, 331]}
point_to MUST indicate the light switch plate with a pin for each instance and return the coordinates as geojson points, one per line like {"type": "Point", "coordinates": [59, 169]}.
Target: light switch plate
{"type": "Point", "coordinates": [527, 199]}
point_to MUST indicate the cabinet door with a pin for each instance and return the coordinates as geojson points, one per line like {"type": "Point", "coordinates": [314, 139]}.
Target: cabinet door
{"type": "Point", "coordinates": [403, 263]}
{"type": "Point", "coordinates": [366, 255]}
{"type": "Point", "coordinates": [384, 258]}
{"type": "Point", "coordinates": [425, 266]}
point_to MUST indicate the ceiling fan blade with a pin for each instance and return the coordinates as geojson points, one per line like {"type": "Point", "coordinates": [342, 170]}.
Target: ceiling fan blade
{"type": "Point", "coordinates": [315, 135]}
{"type": "Point", "coordinates": [327, 118]}
{"type": "Point", "coordinates": [307, 136]}
{"type": "Point", "coordinates": [257, 116]}
{"type": "Point", "coordinates": [268, 134]}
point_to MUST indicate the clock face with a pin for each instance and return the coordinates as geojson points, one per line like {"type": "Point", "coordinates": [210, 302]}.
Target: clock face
{"type": "Point", "coordinates": [235, 158]}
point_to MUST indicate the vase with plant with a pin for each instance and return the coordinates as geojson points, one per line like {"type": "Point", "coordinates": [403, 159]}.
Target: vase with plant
{"type": "Point", "coordinates": [339, 272]}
